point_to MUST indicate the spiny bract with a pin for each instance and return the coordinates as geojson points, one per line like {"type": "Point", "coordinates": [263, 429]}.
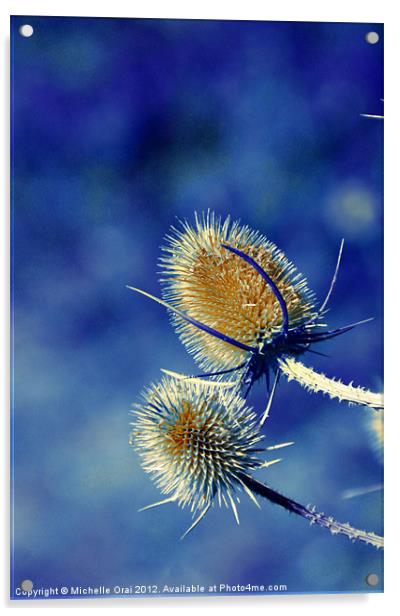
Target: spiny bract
{"type": "Point", "coordinates": [211, 284]}
{"type": "Point", "coordinates": [195, 440]}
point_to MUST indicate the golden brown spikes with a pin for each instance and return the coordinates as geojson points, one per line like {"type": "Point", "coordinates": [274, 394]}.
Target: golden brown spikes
{"type": "Point", "coordinates": [216, 287]}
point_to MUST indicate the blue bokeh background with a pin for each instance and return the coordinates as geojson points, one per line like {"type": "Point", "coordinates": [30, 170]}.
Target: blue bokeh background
{"type": "Point", "coordinates": [119, 127]}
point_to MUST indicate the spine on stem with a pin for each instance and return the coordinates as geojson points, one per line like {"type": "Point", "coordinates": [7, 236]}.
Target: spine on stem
{"type": "Point", "coordinates": [315, 382]}
{"type": "Point", "coordinates": [309, 513]}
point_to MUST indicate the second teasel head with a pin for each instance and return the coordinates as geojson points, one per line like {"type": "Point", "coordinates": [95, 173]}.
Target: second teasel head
{"type": "Point", "coordinates": [196, 441]}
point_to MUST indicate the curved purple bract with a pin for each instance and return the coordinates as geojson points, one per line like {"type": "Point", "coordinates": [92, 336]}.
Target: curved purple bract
{"type": "Point", "coordinates": [216, 333]}
{"type": "Point", "coordinates": [198, 324]}
{"type": "Point", "coordinates": [269, 281]}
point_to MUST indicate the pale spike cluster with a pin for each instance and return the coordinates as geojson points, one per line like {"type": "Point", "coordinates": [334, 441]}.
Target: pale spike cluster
{"type": "Point", "coordinates": [199, 444]}
{"type": "Point", "coordinates": [316, 382]}
{"type": "Point", "coordinates": [194, 440]}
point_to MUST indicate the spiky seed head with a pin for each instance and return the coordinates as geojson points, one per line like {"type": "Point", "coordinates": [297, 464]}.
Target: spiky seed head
{"type": "Point", "coordinates": [218, 288]}
{"type": "Point", "coordinates": [195, 440]}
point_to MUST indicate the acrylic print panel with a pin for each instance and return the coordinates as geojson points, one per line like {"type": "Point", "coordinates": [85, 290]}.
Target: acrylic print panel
{"type": "Point", "coordinates": [181, 190]}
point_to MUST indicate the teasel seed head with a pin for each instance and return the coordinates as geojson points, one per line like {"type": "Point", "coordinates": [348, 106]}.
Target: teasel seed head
{"type": "Point", "coordinates": [195, 440]}
{"type": "Point", "coordinates": [211, 284]}
{"type": "Point", "coordinates": [200, 442]}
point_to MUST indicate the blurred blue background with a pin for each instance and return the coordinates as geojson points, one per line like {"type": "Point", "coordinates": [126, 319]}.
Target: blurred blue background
{"type": "Point", "coordinates": [119, 127]}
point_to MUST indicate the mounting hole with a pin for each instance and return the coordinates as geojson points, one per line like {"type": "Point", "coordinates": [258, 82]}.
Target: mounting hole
{"type": "Point", "coordinates": [27, 585]}
{"type": "Point", "coordinates": [372, 38]}
{"type": "Point", "coordinates": [26, 30]}
{"type": "Point", "coordinates": [372, 579]}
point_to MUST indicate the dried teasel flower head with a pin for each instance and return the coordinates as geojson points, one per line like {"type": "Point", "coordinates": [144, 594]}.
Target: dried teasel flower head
{"type": "Point", "coordinates": [195, 440]}
{"type": "Point", "coordinates": [240, 306]}
{"type": "Point", "coordinates": [200, 443]}
{"type": "Point", "coordinates": [211, 284]}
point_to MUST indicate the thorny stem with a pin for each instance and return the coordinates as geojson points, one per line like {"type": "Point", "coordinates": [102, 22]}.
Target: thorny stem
{"type": "Point", "coordinates": [315, 382]}
{"type": "Point", "coordinates": [309, 513]}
